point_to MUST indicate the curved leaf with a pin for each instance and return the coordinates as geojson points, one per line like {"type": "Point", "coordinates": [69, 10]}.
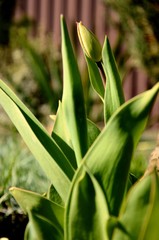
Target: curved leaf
{"type": "Point", "coordinates": [73, 99]}
{"type": "Point", "coordinates": [60, 128]}
{"type": "Point", "coordinates": [52, 160]}
{"type": "Point", "coordinates": [140, 212]}
{"type": "Point", "coordinates": [110, 155]}
{"type": "Point", "coordinates": [53, 196]}
{"type": "Point", "coordinates": [86, 212]}
{"type": "Point", "coordinates": [46, 218]}
{"type": "Point", "coordinates": [114, 96]}
{"type": "Point", "coordinates": [61, 136]}
{"type": "Point", "coordinates": [95, 78]}
{"type": "Point", "coordinates": [93, 132]}
{"type": "Point", "coordinates": [40, 228]}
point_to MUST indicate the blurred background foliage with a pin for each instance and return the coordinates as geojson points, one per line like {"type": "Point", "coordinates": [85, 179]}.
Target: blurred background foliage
{"type": "Point", "coordinates": [138, 24]}
{"type": "Point", "coordinates": [32, 66]}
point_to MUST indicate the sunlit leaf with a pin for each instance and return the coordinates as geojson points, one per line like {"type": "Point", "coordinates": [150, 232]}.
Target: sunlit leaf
{"type": "Point", "coordinates": [110, 155]}
{"type": "Point", "coordinates": [86, 213]}
{"type": "Point", "coordinates": [54, 196]}
{"type": "Point", "coordinates": [52, 160]}
{"type": "Point", "coordinates": [95, 77]}
{"type": "Point", "coordinates": [61, 136]}
{"type": "Point", "coordinates": [60, 127]}
{"type": "Point", "coordinates": [46, 218]}
{"type": "Point", "coordinates": [139, 214]}
{"type": "Point", "coordinates": [73, 99]}
{"type": "Point", "coordinates": [93, 132]}
{"type": "Point", "coordinates": [114, 96]}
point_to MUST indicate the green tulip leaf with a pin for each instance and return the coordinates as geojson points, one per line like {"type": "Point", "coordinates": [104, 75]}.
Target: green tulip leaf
{"type": "Point", "coordinates": [52, 160]}
{"type": "Point", "coordinates": [86, 211]}
{"type": "Point", "coordinates": [73, 99]}
{"type": "Point", "coordinates": [60, 128]}
{"type": "Point", "coordinates": [53, 195]}
{"type": "Point", "coordinates": [95, 78]}
{"type": "Point", "coordinates": [109, 157]}
{"type": "Point", "coordinates": [114, 96]}
{"type": "Point", "coordinates": [61, 136]}
{"type": "Point", "coordinates": [46, 218]}
{"type": "Point", "coordinates": [93, 132]}
{"type": "Point", "coordinates": [139, 214]}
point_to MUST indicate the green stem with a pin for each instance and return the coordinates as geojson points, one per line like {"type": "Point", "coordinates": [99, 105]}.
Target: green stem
{"type": "Point", "coordinates": [100, 66]}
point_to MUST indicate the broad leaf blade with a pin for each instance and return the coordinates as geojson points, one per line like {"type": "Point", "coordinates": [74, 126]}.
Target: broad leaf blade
{"type": "Point", "coordinates": [61, 136]}
{"type": "Point", "coordinates": [51, 158]}
{"type": "Point", "coordinates": [95, 78]}
{"type": "Point", "coordinates": [46, 218]}
{"type": "Point", "coordinates": [139, 214]}
{"type": "Point", "coordinates": [53, 195]}
{"type": "Point", "coordinates": [60, 127]}
{"type": "Point", "coordinates": [93, 132]}
{"type": "Point", "coordinates": [66, 149]}
{"type": "Point", "coordinates": [114, 96]}
{"type": "Point", "coordinates": [110, 155]}
{"type": "Point", "coordinates": [73, 99]}
{"type": "Point", "coordinates": [86, 213]}
{"type": "Point", "coordinates": [40, 228]}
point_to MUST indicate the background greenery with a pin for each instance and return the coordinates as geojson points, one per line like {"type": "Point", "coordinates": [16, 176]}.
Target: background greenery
{"type": "Point", "coordinates": [138, 24]}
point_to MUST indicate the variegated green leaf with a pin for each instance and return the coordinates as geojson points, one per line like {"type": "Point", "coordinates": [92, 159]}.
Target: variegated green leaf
{"type": "Point", "coordinates": [87, 212]}
{"type": "Point", "coordinates": [61, 136]}
{"type": "Point", "coordinates": [93, 132]}
{"type": "Point", "coordinates": [110, 155]}
{"type": "Point", "coordinates": [95, 78]}
{"type": "Point", "coordinates": [140, 212]}
{"type": "Point", "coordinates": [52, 160]}
{"type": "Point", "coordinates": [114, 96]}
{"type": "Point", "coordinates": [73, 99]}
{"type": "Point", "coordinates": [46, 219]}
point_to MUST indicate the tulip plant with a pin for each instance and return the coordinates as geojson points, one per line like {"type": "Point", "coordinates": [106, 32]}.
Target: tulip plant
{"type": "Point", "coordinates": [92, 193]}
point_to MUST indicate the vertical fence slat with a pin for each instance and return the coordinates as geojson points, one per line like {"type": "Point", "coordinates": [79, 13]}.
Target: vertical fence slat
{"type": "Point", "coordinates": [113, 31]}
{"type": "Point", "coordinates": [33, 14]}
{"type": "Point", "coordinates": [100, 12]}
{"type": "Point", "coordinates": [21, 7]}
{"type": "Point", "coordinates": [57, 11]}
{"type": "Point", "coordinates": [71, 10]}
{"type": "Point", "coordinates": [44, 15]}
{"type": "Point", "coordinates": [31, 9]}
{"type": "Point", "coordinates": [86, 13]}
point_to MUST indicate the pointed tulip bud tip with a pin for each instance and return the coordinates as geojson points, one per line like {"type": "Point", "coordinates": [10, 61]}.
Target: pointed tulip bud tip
{"type": "Point", "coordinates": [89, 43]}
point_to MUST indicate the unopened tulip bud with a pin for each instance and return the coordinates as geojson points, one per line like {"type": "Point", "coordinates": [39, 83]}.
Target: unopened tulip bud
{"type": "Point", "coordinates": [89, 43]}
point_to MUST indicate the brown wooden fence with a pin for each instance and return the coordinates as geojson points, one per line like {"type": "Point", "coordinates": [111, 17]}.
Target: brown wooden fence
{"type": "Point", "coordinates": [94, 14]}
{"type": "Point", "coordinates": [47, 14]}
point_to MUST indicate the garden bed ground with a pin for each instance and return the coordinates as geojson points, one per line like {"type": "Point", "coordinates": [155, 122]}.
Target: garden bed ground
{"type": "Point", "coordinates": [12, 223]}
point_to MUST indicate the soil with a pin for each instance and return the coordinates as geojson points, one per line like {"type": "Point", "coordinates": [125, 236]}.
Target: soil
{"type": "Point", "coordinates": [12, 224]}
